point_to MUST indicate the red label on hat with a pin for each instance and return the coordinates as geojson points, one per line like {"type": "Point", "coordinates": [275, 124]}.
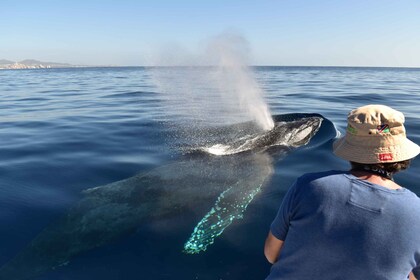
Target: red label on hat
{"type": "Point", "coordinates": [385, 157]}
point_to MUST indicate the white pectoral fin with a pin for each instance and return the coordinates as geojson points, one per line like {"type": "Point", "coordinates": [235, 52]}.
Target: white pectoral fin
{"type": "Point", "coordinates": [230, 205]}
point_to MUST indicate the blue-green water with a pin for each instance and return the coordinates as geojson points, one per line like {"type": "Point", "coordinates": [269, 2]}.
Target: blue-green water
{"type": "Point", "coordinates": [63, 131]}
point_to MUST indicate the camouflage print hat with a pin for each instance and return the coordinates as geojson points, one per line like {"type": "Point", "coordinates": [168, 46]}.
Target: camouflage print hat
{"type": "Point", "coordinates": [375, 134]}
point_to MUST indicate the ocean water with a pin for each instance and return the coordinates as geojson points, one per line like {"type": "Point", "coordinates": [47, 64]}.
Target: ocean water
{"type": "Point", "coordinates": [63, 131]}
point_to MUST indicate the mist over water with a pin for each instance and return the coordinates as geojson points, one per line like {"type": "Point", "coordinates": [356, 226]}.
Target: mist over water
{"type": "Point", "coordinates": [218, 89]}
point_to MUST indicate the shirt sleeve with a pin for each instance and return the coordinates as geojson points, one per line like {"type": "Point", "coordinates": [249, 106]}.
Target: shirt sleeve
{"type": "Point", "coordinates": [280, 225]}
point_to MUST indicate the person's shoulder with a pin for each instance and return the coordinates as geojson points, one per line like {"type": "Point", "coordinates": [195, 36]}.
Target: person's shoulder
{"type": "Point", "coordinates": [410, 195]}
{"type": "Point", "coordinates": [324, 175]}
{"type": "Point", "coordinates": [408, 206]}
{"type": "Point", "coordinates": [321, 182]}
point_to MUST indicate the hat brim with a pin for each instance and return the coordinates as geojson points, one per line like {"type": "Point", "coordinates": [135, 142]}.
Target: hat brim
{"type": "Point", "coordinates": [405, 150]}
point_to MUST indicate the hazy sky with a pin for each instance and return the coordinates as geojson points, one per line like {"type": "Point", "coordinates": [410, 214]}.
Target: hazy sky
{"type": "Point", "coordinates": [292, 32]}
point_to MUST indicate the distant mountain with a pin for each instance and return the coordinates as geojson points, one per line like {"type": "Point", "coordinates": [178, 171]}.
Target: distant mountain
{"type": "Point", "coordinates": [37, 62]}
{"type": "Point", "coordinates": [5, 61]}
{"type": "Point", "coordinates": [31, 64]}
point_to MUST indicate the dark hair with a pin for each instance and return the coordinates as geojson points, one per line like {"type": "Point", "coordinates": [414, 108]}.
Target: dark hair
{"type": "Point", "coordinates": [392, 167]}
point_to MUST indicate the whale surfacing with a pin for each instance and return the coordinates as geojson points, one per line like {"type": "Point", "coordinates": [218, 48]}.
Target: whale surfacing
{"type": "Point", "coordinates": [109, 212]}
{"type": "Point", "coordinates": [291, 134]}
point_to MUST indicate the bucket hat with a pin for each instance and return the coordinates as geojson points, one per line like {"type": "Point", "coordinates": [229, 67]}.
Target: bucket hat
{"type": "Point", "coordinates": [375, 134]}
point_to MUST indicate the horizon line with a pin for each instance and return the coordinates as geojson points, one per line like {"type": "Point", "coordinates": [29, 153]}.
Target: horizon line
{"type": "Point", "coordinates": [211, 66]}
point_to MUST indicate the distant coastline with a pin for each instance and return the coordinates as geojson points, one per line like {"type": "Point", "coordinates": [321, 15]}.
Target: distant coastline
{"type": "Point", "coordinates": [33, 64]}
{"type": "Point", "coordinates": [36, 64]}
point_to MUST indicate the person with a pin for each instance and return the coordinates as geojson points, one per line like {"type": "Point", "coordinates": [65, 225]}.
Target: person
{"type": "Point", "coordinates": [356, 224]}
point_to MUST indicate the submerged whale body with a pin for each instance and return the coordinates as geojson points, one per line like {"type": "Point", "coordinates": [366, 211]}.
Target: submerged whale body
{"type": "Point", "coordinates": [108, 212]}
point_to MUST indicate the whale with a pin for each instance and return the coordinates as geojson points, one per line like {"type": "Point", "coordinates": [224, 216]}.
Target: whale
{"type": "Point", "coordinates": [291, 134]}
{"type": "Point", "coordinates": [226, 182]}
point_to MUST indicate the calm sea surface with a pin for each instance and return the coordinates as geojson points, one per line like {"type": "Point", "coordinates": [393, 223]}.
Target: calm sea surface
{"type": "Point", "coordinates": [63, 131]}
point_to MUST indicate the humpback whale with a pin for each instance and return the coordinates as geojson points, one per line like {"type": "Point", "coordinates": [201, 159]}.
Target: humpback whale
{"type": "Point", "coordinates": [230, 180]}
{"type": "Point", "coordinates": [292, 134]}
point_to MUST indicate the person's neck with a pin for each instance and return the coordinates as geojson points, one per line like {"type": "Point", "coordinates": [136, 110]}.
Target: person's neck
{"type": "Point", "coordinates": [375, 179]}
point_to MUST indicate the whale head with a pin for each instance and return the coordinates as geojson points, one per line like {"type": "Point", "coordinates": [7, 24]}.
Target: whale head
{"type": "Point", "coordinates": [294, 133]}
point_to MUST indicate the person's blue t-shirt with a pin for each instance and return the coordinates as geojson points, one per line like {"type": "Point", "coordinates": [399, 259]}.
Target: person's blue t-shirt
{"type": "Point", "coordinates": [336, 226]}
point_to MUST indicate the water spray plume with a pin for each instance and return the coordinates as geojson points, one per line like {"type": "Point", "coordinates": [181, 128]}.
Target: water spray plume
{"type": "Point", "coordinates": [224, 93]}
{"type": "Point", "coordinates": [236, 80]}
